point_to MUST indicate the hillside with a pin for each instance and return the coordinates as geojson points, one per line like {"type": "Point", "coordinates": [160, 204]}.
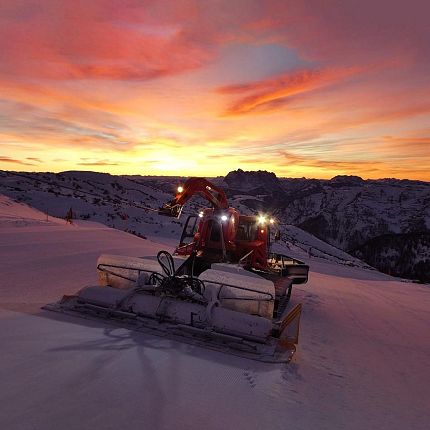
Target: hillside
{"type": "Point", "coordinates": [130, 204]}
{"type": "Point", "coordinates": [351, 214]}
{"type": "Point", "coordinates": [350, 370]}
{"type": "Point", "coordinates": [399, 254]}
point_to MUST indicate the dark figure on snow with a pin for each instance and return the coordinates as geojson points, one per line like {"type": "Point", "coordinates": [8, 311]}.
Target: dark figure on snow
{"type": "Point", "coordinates": [69, 216]}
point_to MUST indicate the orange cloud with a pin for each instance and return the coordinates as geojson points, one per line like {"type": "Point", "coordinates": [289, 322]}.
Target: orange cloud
{"type": "Point", "coordinates": [268, 93]}
{"type": "Point", "coordinates": [4, 159]}
{"type": "Point", "coordinates": [411, 147]}
{"type": "Point", "coordinates": [97, 163]}
{"type": "Point", "coordinates": [374, 168]}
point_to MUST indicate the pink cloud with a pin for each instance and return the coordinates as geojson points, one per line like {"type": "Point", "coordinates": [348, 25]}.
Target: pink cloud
{"type": "Point", "coordinates": [131, 39]}
{"type": "Point", "coordinates": [72, 40]}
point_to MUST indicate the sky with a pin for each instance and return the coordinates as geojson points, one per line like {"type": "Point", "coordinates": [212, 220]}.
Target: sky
{"type": "Point", "coordinates": [199, 88]}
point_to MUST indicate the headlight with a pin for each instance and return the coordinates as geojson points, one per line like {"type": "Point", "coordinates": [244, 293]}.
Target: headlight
{"type": "Point", "coordinates": [262, 219]}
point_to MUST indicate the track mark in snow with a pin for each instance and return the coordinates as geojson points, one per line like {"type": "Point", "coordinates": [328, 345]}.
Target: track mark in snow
{"type": "Point", "coordinates": [250, 376]}
{"type": "Point", "coordinates": [312, 300]}
{"type": "Point", "coordinates": [291, 383]}
{"type": "Point", "coordinates": [336, 375]}
{"type": "Point", "coordinates": [291, 372]}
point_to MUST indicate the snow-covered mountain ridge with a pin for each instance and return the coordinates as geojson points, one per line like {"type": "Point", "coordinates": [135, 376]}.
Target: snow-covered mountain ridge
{"type": "Point", "coordinates": [348, 212]}
{"type": "Point", "coordinates": [385, 222]}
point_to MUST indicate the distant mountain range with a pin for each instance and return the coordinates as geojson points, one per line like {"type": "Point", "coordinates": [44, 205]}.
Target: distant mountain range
{"type": "Point", "coordinates": [384, 222]}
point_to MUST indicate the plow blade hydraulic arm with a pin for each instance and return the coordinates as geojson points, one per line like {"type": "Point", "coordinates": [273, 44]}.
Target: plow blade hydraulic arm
{"type": "Point", "coordinates": [171, 209]}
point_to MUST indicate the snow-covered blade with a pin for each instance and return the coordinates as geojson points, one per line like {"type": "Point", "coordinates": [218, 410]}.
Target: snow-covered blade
{"type": "Point", "coordinates": [227, 309]}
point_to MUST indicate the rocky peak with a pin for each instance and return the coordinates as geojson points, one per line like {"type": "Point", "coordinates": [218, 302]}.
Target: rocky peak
{"type": "Point", "coordinates": [240, 179]}
{"type": "Point", "coordinates": [346, 180]}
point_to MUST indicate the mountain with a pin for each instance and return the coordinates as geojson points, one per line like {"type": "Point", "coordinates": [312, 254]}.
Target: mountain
{"type": "Point", "coordinates": [349, 213]}
{"type": "Point", "coordinates": [255, 182]}
{"type": "Point", "coordinates": [361, 217]}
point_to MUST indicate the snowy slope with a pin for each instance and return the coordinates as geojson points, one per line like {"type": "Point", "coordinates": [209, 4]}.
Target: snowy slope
{"type": "Point", "coordinates": [362, 361]}
{"type": "Point", "coordinates": [122, 202]}
{"type": "Point", "coordinates": [13, 214]}
{"type": "Point", "coordinates": [300, 244]}
{"type": "Point", "coordinates": [130, 203]}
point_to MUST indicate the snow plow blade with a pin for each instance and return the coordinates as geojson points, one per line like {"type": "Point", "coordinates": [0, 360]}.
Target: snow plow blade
{"type": "Point", "coordinates": [222, 309]}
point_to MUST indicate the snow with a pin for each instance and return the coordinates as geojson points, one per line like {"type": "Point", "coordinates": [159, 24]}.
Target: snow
{"type": "Point", "coordinates": [13, 214]}
{"type": "Point", "coordinates": [362, 360]}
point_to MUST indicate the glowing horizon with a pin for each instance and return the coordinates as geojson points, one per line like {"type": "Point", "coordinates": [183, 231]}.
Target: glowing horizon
{"type": "Point", "coordinates": [187, 88]}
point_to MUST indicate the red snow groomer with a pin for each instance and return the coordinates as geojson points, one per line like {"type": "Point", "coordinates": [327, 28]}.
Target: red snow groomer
{"type": "Point", "coordinates": [222, 288]}
{"type": "Point", "coordinates": [220, 233]}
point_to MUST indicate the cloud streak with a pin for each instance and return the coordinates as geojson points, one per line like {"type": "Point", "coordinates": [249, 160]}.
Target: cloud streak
{"type": "Point", "coordinates": [5, 159]}
{"type": "Point", "coordinates": [97, 163]}
{"type": "Point", "coordinates": [269, 93]}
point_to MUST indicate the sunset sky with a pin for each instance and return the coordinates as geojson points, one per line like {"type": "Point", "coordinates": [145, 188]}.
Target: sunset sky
{"type": "Point", "coordinates": [300, 88]}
